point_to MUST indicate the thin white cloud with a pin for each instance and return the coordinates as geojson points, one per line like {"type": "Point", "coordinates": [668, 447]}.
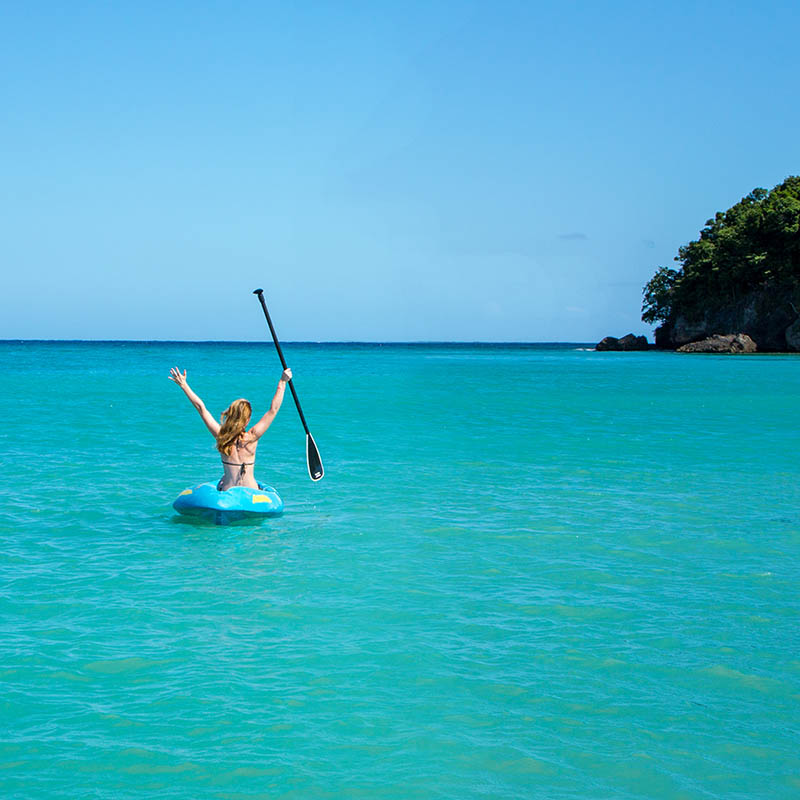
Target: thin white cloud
{"type": "Point", "coordinates": [573, 237]}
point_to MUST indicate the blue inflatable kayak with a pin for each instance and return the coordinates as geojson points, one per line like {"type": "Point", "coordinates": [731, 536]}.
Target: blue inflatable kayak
{"type": "Point", "coordinates": [234, 504]}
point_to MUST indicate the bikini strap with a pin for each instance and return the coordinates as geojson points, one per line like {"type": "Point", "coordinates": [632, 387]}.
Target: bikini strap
{"type": "Point", "coordinates": [243, 465]}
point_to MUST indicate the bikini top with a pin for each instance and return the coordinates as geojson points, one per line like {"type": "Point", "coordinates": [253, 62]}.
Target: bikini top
{"type": "Point", "coordinates": [243, 464]}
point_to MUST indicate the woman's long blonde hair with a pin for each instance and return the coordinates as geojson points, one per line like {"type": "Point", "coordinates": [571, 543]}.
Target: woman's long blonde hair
{"type": "Point", "coordinates": [234, 420]}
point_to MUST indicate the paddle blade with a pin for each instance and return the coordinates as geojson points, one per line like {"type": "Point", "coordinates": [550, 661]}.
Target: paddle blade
{"type": "Point", "coordinates": [313, 461]}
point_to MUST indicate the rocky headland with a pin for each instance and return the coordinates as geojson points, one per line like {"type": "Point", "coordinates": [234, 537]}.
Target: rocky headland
{"type": "Point", "coordinates": [737, 287]}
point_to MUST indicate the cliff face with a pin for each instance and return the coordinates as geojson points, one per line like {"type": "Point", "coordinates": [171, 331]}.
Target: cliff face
{"type": "Point", "coordinates": [766, 316]}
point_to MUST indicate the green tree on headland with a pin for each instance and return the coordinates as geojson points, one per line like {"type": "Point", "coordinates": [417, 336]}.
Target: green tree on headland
{"type": "Point", "coordinates": [754, 245]}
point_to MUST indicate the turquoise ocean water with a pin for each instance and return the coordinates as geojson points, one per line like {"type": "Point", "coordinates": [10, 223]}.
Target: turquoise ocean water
{"type": "Point", "coordinates": [530, 572]}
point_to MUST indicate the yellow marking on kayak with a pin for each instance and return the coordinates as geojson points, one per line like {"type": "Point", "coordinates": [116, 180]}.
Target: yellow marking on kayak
{"type": "Point", "coordinates": [261, 498]}
{"type": "Point", "coordinates": [185, 491]}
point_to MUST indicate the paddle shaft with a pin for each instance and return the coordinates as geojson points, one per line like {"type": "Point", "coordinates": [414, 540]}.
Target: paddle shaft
{"type": "Point", "coordinates": [260, 293]}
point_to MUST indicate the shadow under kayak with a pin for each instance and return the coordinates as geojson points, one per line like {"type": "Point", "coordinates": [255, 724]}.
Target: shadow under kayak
{"type": "Point", "coordinates": [232, 505]}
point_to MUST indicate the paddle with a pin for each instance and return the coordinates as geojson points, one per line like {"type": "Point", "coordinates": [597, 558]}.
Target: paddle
{"type": "Point", "coordinates": [313, 461]}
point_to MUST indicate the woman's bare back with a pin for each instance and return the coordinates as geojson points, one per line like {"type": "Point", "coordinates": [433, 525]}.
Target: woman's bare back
{"type": "Point", "coordinates": [239, 465]}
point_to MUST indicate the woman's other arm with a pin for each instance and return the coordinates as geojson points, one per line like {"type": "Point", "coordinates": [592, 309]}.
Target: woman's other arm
{"type": "Point", "coordinates": [261, 426]}
{"type": "Point", "coordinates": [176, 377]}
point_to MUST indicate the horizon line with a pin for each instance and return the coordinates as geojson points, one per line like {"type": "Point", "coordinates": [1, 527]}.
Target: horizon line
{"type": "Point", "coordinates": [291, 341]}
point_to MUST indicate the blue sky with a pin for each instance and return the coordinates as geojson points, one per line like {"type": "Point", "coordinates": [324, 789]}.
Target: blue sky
{"type": "Point", "coordinates": [386, 171]}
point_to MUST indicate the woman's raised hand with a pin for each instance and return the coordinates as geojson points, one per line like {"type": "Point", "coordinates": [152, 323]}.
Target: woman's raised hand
{"type": "Point", "coordinates": [176, 377]}
{"type": "Point", "coordinates": [287, 375]}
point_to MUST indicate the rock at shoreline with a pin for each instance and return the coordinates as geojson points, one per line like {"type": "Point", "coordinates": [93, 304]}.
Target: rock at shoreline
{"type": "Point", "coordinates": [731, 343]}
{"type": "Point", "coordinates": [629, 342]}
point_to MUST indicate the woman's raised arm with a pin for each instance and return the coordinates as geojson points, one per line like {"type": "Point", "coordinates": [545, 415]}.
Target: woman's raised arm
{"type": "Point", "coordinates": [261, 426]}
{"type": "Point", "coordinates": [176, 377]}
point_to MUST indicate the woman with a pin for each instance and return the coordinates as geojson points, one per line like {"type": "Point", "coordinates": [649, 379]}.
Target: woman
{"type": "Point", "coordinates": [236, 444]}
